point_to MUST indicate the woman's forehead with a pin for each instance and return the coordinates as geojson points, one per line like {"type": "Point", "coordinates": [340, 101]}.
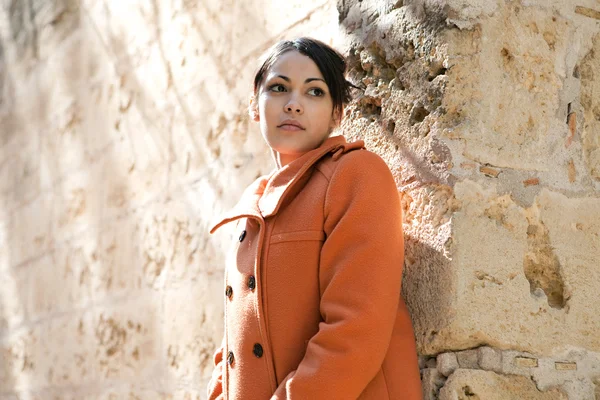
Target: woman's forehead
{"type": "Point", "coordinates": [295, 66]}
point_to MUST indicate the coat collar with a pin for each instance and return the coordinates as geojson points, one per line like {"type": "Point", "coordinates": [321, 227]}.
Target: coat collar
{"type": "Point", "coordinates": [264, 196]}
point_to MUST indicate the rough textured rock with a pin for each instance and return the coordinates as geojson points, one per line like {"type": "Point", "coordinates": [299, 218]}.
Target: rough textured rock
{"type": "Point", "coordinates": [485, 112]}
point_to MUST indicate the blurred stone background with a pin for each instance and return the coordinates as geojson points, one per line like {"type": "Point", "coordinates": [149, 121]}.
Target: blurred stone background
{"type": "Point", "coordinates": [123, 133]}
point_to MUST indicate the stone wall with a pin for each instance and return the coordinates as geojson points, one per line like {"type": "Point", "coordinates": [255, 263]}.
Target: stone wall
{"type": "Point", "coordinates": [123, 131]}
{"type": "Point", "coordinates": [487, 112]}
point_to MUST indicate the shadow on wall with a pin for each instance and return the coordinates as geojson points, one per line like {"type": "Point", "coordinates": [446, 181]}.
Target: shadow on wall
{"type": "Point", "coordinates": [403, 80]}
{"type": "Point", "coordinates": [88, 152]}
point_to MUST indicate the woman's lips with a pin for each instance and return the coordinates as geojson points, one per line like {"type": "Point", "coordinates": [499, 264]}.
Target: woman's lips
{"type": "Point", "coordinates": [291, 125]}
{"type": "Point", "coordinates": [288, 127]}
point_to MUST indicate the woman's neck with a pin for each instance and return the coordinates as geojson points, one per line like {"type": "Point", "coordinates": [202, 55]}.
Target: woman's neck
{"type": "Point", "coordinates": [281, 160]}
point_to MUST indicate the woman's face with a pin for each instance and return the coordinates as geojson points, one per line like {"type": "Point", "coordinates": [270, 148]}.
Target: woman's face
{"type": "Point", "coordinates": [294, 106]}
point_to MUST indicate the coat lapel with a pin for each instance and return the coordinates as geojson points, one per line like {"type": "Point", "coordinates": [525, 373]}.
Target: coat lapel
{"type": "Point", "coordinates": [264, 197]}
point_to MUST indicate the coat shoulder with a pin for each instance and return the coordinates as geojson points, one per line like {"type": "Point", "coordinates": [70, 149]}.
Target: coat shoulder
{"type": "Point", "coordinates": [356, 164]}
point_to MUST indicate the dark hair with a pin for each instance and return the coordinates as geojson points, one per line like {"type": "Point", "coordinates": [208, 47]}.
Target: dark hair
{"type": "Point", "coordinates": [329, 61]}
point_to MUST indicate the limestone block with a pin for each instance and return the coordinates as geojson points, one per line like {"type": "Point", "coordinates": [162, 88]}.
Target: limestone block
{"type": "Point", "coordinates": [520, 274]}
{"type": "Point", "coordinates": [522, 58]}
{"type": "Point", "coordinates": [193, 328]}
{"type": "Point", "coordinates": [447, 363]}
{"type": "Point", "coordinates": [477, 384]}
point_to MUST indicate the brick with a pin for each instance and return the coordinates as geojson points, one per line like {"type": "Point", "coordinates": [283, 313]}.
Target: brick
{"type": "Point", "coordinates": [489, 359]}
{"type": "Point", "coordinates": [565, 366]}
{"type": "Point", "coordinates": [467, 359]}
{"type": "Point", "coordinates": [447, 363]}
{"type": "Point", "coordinates": [525, 362]}
{"type": "Point", "coordinates": [531, 182]}
{"type": "Point", "coordinates": [572, 122]}
{"type": "Point", "coordinates": [571, 171]}
{"type": "Point", "coordinates": [491, 172]}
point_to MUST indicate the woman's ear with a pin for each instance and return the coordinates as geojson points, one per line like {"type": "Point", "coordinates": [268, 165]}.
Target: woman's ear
{"type": "Point", "coordinates": [336, 119]}
{"type": "Point", "coordinates": [253, 109]}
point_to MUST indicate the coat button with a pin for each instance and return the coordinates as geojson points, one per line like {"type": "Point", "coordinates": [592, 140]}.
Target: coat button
{"type": "Point", "coordinates": [230, 358]}
{"type": "Point", "coordinates": [242, 235]}
{"type": "Point", "coordinates": [258, 350]}
{"type": "Point", "coordinates": [252, 282]}
{"type": "Point", "coordinates": [229, 292]}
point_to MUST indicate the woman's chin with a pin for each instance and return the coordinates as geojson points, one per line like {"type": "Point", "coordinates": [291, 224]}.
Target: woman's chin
{"type": "Point", "coordinates": [290, 149]}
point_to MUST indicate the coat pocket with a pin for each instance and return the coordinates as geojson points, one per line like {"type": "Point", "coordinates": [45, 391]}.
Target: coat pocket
{"type": "Point", "coordinates": [297, 236]}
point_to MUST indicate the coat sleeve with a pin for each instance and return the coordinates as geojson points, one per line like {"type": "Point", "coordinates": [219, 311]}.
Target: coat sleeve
{"type": "Point", "coordinates": [215, 386]}
{"type": "Point", "coordinates": [360, 279]}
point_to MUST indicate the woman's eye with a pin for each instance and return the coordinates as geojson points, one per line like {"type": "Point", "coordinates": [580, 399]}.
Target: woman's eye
{"type": "Point", "coordinates": [316, 92]}
{"type": "Point", "coordinates": [276, 88]}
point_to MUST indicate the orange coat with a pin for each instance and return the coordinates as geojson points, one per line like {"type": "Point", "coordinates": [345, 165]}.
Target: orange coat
{"type": "Point", "coordinates": [312, 289]}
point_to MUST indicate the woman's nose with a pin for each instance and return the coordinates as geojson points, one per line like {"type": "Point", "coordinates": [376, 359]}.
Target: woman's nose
{"type": "Point", "coordinates": [293, 106]}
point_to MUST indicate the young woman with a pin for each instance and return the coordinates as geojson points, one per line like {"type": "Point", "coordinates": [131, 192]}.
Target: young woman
{"type": "Point", "coordinates": [312, 288]}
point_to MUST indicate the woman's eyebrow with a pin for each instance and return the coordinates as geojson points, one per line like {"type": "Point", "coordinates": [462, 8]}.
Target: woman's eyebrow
{"type": "Point", "coordinates": [285, 78]}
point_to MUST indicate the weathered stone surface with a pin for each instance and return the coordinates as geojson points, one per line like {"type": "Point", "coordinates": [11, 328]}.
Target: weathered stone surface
{"type": "Point", "coordinates": [590, 95]}
{"type": "Point", "coordinates": [484, 127]}
{"type": "Point", "coordinates": [529, 264]}
{"type": "Point", "coordinates": [473, 384]}
{"type": "Point", "coordinates": [123, 133]}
